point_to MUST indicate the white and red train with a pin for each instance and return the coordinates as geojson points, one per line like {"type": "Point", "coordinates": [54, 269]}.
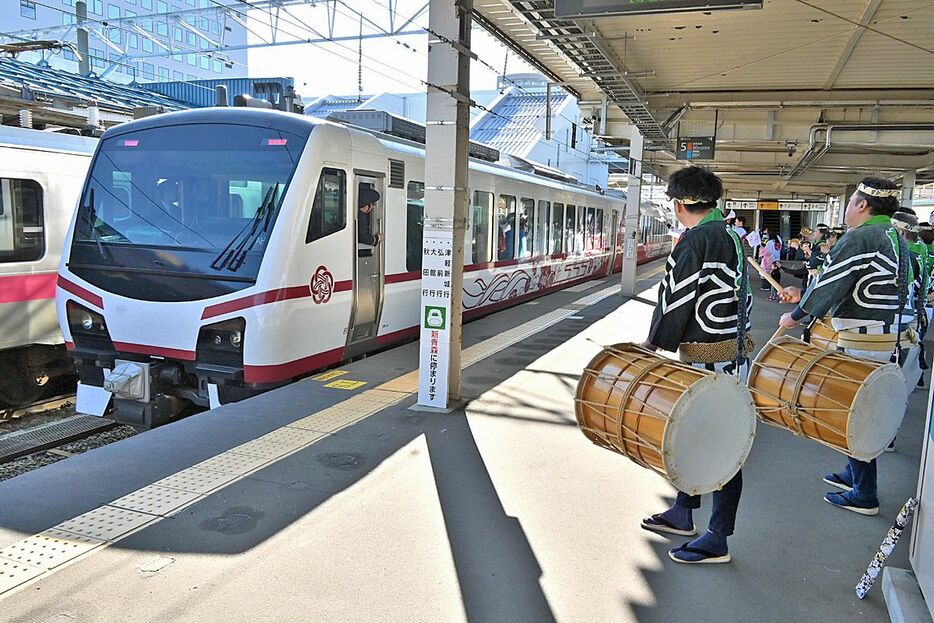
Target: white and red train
{"type": "Point", "coordinates": [214, 253]}
{"type": "Point", "coordinates": [41, 175]}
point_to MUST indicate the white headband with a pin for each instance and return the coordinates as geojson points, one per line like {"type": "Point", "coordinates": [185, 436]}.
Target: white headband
{"type": "Point", "coordinates": [876, 192]}
{"type": "Point", "coordinates": [906, 225]}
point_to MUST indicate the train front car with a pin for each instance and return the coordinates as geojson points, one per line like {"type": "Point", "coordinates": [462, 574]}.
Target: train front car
{"type": "Point", "coordinates": [166, 260]}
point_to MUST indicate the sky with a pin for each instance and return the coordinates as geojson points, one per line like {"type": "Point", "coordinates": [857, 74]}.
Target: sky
{"type": "Point", "coordinates": [332, 68]}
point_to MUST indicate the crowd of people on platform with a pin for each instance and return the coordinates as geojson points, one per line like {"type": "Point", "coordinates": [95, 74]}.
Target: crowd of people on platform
{"type": "Point", "coordinates": [801, 257]}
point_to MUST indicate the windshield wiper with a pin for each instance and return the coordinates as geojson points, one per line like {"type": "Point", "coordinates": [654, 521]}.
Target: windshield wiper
{"type": "Point", "coordinates": [91, 217]}
{"type": "Point", "coordinates": [232, 258]}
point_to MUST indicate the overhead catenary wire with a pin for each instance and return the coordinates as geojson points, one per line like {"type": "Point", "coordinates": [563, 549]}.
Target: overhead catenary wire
{"type": "Point", "coordinates": [301, 24]}
{"type": "Point", "coordinates": [210, 53]}
{"type": "Point", "coordinates": [152, 16]}
{"type": "Point", "coordinates": [476, 58]}
{"type": "Point", "coordinates": [340, 45]}
{"type": "Point", "coordinates": [483, 62]}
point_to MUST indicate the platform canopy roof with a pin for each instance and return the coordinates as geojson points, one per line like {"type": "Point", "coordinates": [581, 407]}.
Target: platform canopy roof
{"type": "Point", "coordinates": [785, 88]}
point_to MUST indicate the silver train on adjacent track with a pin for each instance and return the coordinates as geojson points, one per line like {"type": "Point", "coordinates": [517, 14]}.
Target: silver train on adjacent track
{"type": "Point", "coordinates": [41, 174]}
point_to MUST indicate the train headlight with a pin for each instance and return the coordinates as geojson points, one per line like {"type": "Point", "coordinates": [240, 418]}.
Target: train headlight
{"type": "Point", "coordinates": [88, 329]}
{"type": "Point", "coordinates": [83, 320]}
{"type": "Point", "coordinates": [222, 343]}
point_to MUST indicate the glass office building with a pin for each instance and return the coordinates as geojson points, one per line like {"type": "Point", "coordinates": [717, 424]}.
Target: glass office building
{"type": "Point", "coordinates": [150, 46]}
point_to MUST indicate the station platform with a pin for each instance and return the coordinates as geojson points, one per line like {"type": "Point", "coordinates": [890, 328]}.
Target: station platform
{"type": "Point", "coordinates": [331, 500]}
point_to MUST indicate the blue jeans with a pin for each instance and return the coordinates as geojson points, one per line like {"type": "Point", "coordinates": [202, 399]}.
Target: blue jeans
{"type": "Point", "coordinates": [725, 503]}
{"type": "Point", "coordinates": [862, 476]}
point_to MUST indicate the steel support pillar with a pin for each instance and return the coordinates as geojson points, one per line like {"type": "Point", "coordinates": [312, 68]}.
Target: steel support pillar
{"type": "Point", "coordinates": [841, 209]}
{"type": "Point", "coordinates": [908, 188]}
{"type": "Point", "coordinates": [633, 208]}
{"type": "Point", "coordinates": [81, 15]}
{"type": "Point", "coordinates": [446, 138]}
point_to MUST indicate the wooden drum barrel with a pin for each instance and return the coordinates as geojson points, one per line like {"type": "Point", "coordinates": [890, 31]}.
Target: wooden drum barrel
{"type": "Point", "coordinates": [851, 404]}
{"type": "Point", "coordinates": [822, 334]}
{"type": "Point", "coordinates": [692, 426]}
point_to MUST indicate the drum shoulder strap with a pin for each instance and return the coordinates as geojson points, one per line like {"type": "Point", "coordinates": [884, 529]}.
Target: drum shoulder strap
{"type": "Point", "coordinates": [742, 287]}
{"type": "Point", "coordinates": [904, 268]}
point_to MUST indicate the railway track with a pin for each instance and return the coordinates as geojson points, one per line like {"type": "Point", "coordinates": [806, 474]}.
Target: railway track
{"type": "Point", "coordinates": [26, 444]}
{"type": "Point", "coordinates": [40, 406]}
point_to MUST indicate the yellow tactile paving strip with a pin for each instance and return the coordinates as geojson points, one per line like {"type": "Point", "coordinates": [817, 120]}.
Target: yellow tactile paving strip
{"type": "Point", "coordinates": [39, 555]}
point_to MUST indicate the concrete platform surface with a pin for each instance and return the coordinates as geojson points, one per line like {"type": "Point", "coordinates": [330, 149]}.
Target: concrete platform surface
{"type": "Point", "coordinates": [903, 597]}
{"type": "Point", "coordinates": [502, 512]}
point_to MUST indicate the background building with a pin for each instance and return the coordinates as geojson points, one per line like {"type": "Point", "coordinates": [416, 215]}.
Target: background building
{"type": "Point", "coordinates": [133, 40]}
{"type": "Point", "coordinates": [515, 123]}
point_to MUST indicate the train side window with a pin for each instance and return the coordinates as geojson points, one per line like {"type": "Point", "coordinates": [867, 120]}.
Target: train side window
{"type": "Point", "coordinates": [526, 227]}
{"type": "Point", "coordinates": [570, 245]}
{"type": "Point", "coordinates": [22, 223]}
{"type": "Point", "coordinates": [599, 242]}
{"type": "Point", "coordinates": [414, 225]}
{"type": "Point", "coordinates": [481, 249]}
{"type": "Point", "coordinates": [329, 210]}
{"type": "Point", "coordinates": [557, 227]}
{"type": "Point", "coordinates": [506, 228]}
{"type": "Point", "coordinates": [542, 221]}
{"type": "Point", "coordinates": [591, 230]}
{"type": "Point", "coordinates": [581, 231]}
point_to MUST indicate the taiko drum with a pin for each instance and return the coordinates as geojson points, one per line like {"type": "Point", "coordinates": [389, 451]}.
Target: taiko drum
{"type": "Point", "coordinates": [693, 426]}
{"type": "Point", "coordinates": [851, 404]}
{"type": "Point", "coordinates": [822, 334]}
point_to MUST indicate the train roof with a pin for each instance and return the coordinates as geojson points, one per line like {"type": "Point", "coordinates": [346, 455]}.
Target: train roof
{"type": "Point", "coordinates": [304, 124]}
{"type": "Point", "coordinates": [273, 119]}
{"type": "Point", "coordinates": [27, 138]}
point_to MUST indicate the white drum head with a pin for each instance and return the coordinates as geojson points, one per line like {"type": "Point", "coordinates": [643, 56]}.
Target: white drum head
{"type": "Point", "coordinates": [709, 434]}
{"type": "Point", "coordinates": [876, 413]}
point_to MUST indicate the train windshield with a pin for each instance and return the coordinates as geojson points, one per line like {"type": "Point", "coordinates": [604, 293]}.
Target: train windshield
{"type": "Point", "coordinates": [195, 201]}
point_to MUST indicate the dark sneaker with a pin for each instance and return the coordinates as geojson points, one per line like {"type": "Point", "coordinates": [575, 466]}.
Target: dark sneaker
{"type": "Point", "coordinates": [845, 501]}
{"type": "Point", "coordinates": [836, 481]}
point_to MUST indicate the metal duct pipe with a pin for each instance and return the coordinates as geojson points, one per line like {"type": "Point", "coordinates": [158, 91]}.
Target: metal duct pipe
{"type": "Point", "coordinates": [814, 153]}
{"type": "Point", "coordinates": [25, 118]}
{"type": "Point", "coordinates": [84, 58]}
{"type": "Point", "coordinates": [777, 104]}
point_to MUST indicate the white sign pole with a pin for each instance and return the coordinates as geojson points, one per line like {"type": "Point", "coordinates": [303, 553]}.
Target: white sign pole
{"type": "Point", "coordinates": [447, 134]}
{"type": "Point", "coordinates": [435, 342]}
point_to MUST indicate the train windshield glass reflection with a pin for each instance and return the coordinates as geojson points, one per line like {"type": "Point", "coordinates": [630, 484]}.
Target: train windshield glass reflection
{"type": "Point", "coordinates": [186, 187]}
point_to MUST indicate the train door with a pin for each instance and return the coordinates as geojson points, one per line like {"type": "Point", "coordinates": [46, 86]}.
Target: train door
{"type": "Point", "coordinates": [369, 262]}
{"type": "Point", "coordinates": [610, 240]}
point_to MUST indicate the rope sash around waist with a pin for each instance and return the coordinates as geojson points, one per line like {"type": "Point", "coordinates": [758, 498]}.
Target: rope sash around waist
{"type": "Point", "coordinates": [723, 351]}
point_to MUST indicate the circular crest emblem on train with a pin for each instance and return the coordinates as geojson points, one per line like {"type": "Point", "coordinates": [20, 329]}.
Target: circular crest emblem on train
{"type": "Point", "coordinates": [322, 285]}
